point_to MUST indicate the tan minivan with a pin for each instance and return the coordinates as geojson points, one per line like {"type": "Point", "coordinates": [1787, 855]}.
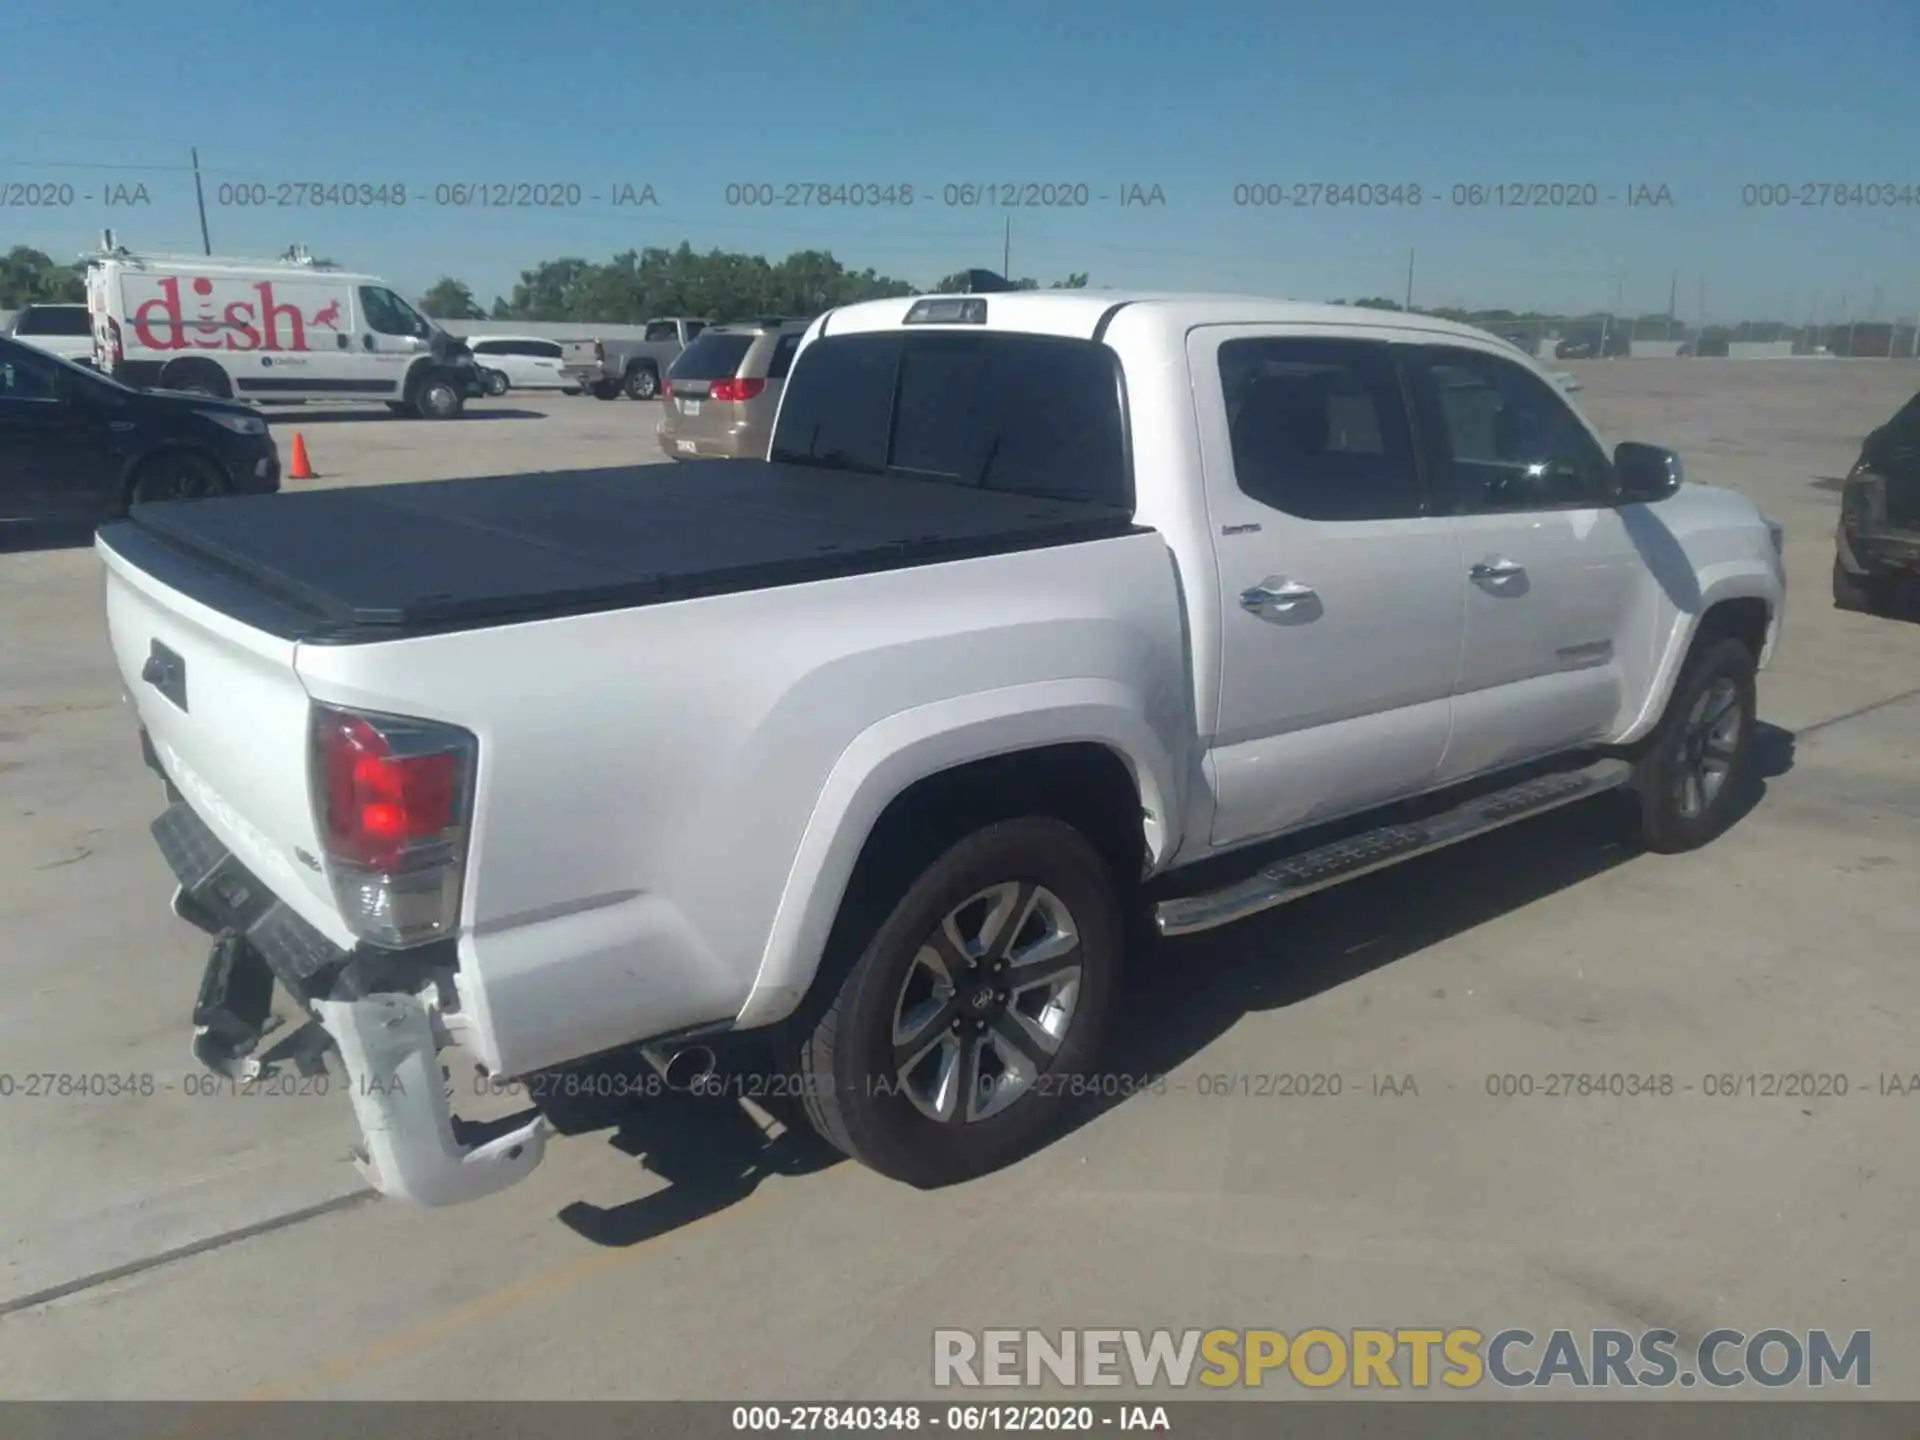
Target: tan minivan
{"type": "Point", "coordinates": [721, 394]}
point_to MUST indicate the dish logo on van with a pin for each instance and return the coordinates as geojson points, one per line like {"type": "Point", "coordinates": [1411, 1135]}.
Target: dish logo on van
{"type": "Point", "coordinates": [259, 323]}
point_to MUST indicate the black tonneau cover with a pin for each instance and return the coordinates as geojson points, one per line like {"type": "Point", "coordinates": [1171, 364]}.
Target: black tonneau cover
{"type": "Point", "coordinates": [379, 562]}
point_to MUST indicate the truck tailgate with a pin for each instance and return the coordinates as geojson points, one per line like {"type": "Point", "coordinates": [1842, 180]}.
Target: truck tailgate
{"type": "Point", "coordinates": [227, 717]}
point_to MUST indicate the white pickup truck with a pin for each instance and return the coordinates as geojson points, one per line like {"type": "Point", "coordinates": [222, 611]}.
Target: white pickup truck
{"type": "Point", "coordinates": [1046, 612]}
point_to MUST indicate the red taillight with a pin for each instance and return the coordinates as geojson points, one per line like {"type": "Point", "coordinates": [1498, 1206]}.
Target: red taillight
{"type": "Point", "coordinates": [666, 389]}
{"type": "Point", "coordinates": [377, 804]}
{"type": "Point", "coordinates": [392, 800]}
{"type": "Point", "coordinates": [736, 389]}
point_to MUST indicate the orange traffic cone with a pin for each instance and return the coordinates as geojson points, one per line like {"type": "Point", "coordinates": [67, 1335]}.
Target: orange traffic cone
{"type": "Point", "coordinates": [302, 468]}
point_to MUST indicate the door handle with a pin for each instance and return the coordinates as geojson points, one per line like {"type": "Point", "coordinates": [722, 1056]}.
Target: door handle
{"type": "Point", "coordinates": [1280, 595]}
{"type": "Point", "coordinates": [1497, 569]}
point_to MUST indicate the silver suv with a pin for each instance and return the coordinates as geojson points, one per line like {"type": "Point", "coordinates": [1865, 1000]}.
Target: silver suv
{"type": "Point", "coordinates": [722, 393]}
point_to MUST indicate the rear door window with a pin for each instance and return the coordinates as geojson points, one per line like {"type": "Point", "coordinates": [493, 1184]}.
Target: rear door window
{"type": "Point", "coordinates": [782, 360]}
{"type": "Point", "coordinates": [1319, 428]}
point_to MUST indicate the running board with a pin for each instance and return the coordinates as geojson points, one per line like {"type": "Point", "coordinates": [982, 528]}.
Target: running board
{"type": "Point", "coordinates": [1301, 874]}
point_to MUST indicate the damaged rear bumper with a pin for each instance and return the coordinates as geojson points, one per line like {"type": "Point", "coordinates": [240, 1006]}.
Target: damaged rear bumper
{"type": "Point", "coordinates": [381, 1014]}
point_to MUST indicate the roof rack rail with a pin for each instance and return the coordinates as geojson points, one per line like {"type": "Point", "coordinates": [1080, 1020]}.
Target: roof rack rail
{"type": "Point", "coordinates": [294, 255]}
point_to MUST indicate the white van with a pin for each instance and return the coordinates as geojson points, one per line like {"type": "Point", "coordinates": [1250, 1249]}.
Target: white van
{"type": "Point", "coordinates": [522, 362]}
{"type": "Point", "coordinates": [270, 330]}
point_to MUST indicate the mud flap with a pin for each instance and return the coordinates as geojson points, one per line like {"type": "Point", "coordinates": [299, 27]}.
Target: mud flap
{"type": "Point", "coordinates": [233, 1009]}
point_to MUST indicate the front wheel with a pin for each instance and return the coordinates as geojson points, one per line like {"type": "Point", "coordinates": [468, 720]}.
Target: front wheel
{"type": "Point", "coordinates": [439, 399]}
{"type": "Point", "coordinates": [496, 383]}
{"type": "Point", "coordinates": [177, 475]}
{"type": "Point", "coordinates": [971, 1021]}
{"type": "Point", "coordinates": [1690, 777]}
{"type": "Point", "coordinates": [606, 389]}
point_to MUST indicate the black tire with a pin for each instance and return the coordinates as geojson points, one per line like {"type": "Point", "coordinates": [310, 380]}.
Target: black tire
{"type": "Point", "coordinates": [1678, 813]}
{"type": "Point", "coordinates": [643, 383]}
{"type": "Point", "coordinates": [177, 475]}
{"type": "Point", "coordinates": [853, 1092]}
{"type": "Point", "coordinates": [605, 389]}
{"type": "Point", "coordinates": [438, 398]}
{"type": "Point", "coordinates": [401, 407]}
{"type": "Point", "coordinates": [1857, 593]}
{"type": "Point", "coordinates": [496, 385]}
{"type": "Point", "coordinates": [197, 377]}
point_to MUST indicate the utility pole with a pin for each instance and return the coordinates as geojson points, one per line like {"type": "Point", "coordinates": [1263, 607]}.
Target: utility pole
{"type": "Point", "coordinates": [200, 198]}
{"type": "Point", "coordinates": [1673, 291]}
{"type": "Point", "coordinates": [1409, 279]}
{"type": "Point", "coordinates": [1006, 251]}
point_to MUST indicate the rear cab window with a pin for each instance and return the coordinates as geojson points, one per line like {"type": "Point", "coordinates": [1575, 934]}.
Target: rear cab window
{"type": "Point", "coordinates": [1036, 415]}
{"type": "Point", "coordinates": [55, 320]}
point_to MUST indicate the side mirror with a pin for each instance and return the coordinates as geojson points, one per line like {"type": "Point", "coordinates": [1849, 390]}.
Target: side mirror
{"type": "Point", "coordinates": [1645, 473]}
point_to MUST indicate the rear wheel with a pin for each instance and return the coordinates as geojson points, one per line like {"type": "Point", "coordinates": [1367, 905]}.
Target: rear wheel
{"type": "Point", "coordinates": [177, 475]}
{"type": "Point", "coordinates": [970, 1022]}
{"type": "Point", "coordinates": [197, 377]}
{"type": "Point", "coordinates": [642, 383]}
{"type": "Point", "coordinates": [1690, 777]}
{"type": "Point", "coordinates": [400, 407]}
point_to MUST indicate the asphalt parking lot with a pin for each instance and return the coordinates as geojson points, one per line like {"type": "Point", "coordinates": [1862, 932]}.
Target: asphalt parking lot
{"type": "Point", "coordinates": [190, 1245]}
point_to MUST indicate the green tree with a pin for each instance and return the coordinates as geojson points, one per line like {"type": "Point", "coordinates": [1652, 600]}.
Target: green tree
{"type": "Point", "coordinates": [450, 299]}
{"type": "Point", "coordinates": [32, 277]}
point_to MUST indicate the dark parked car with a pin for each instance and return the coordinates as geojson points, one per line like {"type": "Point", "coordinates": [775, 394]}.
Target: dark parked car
{"type": "Point", "coordinates": [78, 445]}
{"type": "Point", "coordinates": [1876, 562]}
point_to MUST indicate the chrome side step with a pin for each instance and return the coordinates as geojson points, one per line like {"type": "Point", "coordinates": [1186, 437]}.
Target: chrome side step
{"type": "Point", "coordinates": [1301, 874]}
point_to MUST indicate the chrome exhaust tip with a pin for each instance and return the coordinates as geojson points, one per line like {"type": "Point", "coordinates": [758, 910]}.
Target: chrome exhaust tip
{"type": "Point", "coordinates": [681, 1069]}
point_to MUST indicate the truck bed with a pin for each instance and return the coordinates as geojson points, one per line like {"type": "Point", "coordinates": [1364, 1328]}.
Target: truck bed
{"type": "Point", "coordinates": [382, 562]}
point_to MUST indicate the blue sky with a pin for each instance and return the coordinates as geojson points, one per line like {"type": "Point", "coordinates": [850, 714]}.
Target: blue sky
{"type": "Point", "coordinates": [1195, 96]}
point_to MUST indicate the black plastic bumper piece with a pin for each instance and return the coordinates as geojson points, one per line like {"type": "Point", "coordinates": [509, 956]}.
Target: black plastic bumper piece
{"type": "Point", "coordinates": [221, 895]}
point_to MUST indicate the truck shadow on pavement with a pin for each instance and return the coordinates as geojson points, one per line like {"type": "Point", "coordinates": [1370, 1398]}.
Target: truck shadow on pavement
{"type": "Point", "coordinates": [1184, 994]}
{"type": "Point", "coordinates": [19, 536]}
{"type": "Point", "coordinates": [1180, 996]}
